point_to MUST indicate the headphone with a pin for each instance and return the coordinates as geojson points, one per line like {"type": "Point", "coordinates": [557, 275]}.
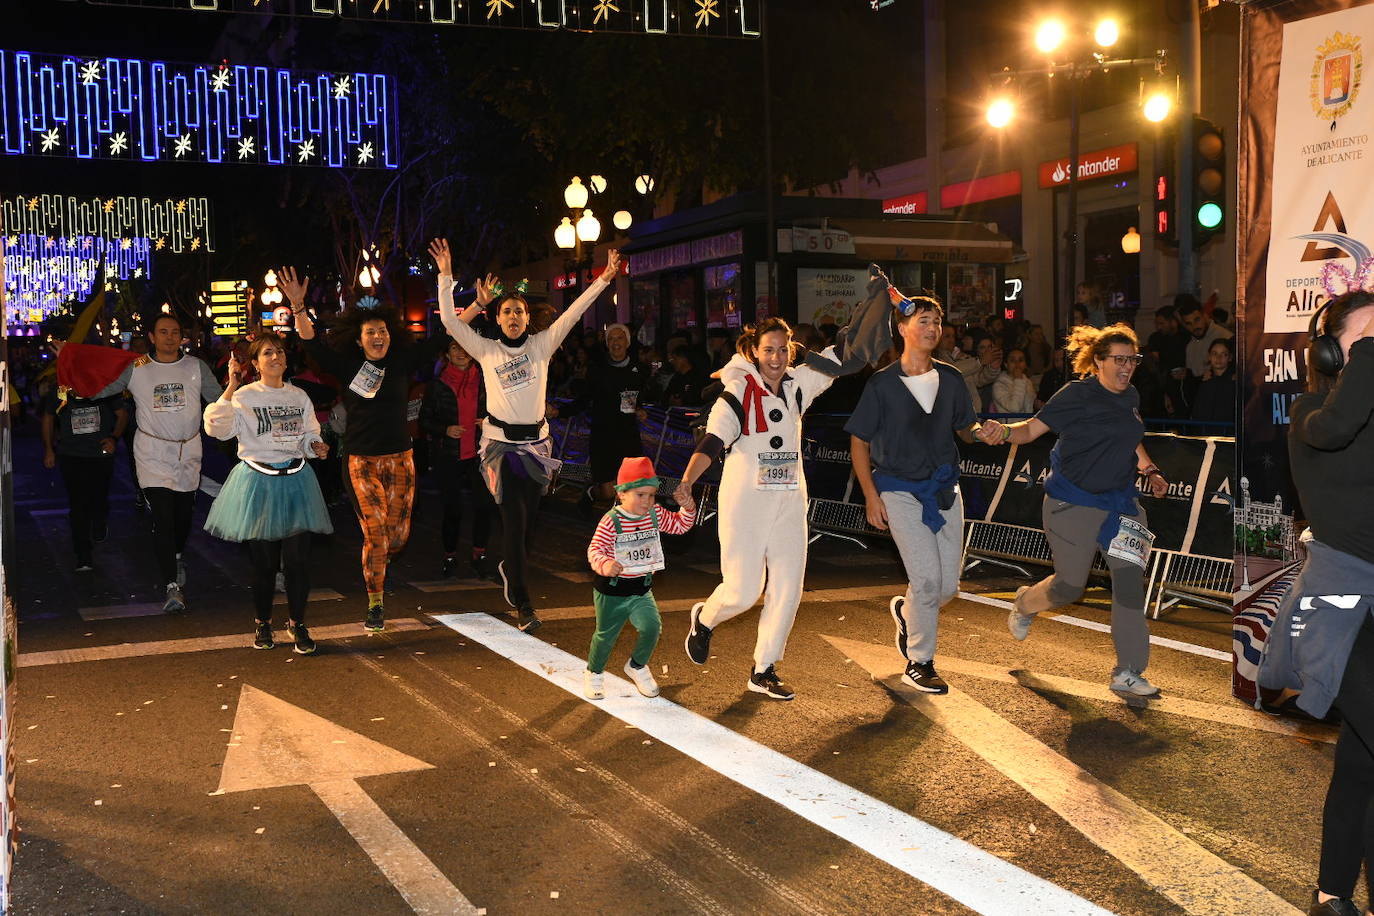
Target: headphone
{"type": "Point", "coordinates": [1324, 351]}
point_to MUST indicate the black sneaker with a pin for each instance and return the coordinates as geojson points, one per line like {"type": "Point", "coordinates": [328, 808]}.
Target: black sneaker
{"type": "Point", "coordinates": [922, 676]}
{"type": "Point", "coordinates": [301, 637]}
{"type": "Point", "coordinates": [529, 620]}
{"type": "Point", "coordinates": [1340, 906]}
{"type": "Point", "coordinates": [376, 619]}
{"type": "Point", "coordinates": [698, 636]}
{"type": "Point", "coordinates": [100, 531]}
{"type": "Point", "coordinates": [505, 583]}
{"type": "Point", "coordinates": [481, 569]}
{"type": "Point", "coordinates": [450, 567]}
{"type": "Point", "coordinates": [767, 682]}
{"type": "Point", "coordinates": [263, 638]}
{"type": "Point", "coordinates": [894, 607]}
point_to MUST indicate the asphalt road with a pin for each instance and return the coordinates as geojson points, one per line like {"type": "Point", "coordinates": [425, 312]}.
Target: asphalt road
{"type": "Point", "coordinates": [450, 764]}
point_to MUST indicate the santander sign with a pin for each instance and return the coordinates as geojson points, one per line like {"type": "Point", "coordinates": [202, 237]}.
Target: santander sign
{"type": "Point", "coordinates": [1100, 163]}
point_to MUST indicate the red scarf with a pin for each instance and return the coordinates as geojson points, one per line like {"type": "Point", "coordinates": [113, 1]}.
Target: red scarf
{"type": "Point", "coordinates": [464, 383]}
{"type": "Point", "coordinates": [753, 391]}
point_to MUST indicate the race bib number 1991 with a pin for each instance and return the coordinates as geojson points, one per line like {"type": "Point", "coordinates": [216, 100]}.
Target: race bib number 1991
{"type": "Point", "coordinates": [778, 471]}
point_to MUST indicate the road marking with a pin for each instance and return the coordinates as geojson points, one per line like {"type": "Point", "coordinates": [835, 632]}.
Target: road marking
{"type": "Point", "coordinates": [198, 644]}
{"type": "Point", "coordinates": [1193, 878]}
{"type": "Point", "coordinates": [569, 575]}
{"type": "Point", "coordinates": [1188, 647]}
{"type": "Point", "coordinates": [952, 866]}
{"type": "Point", "coordinates": [284, 745]}
{"type": "Point", "coordinates": [316, 594]}
{"type": "Point", "coordinates": [453, 585]}
{"type": "Point", "coordinates": [119, 611]}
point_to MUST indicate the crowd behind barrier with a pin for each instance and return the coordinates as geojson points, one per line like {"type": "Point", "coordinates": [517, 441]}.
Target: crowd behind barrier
{"type": "Point", "coordinates": [1002, 490]}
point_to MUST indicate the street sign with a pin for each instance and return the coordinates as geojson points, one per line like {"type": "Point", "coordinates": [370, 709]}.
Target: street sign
{"type": "Point", "coordinates": [229, 303]}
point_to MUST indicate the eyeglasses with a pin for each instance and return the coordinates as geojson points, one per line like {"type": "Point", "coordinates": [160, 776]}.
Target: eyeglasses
{"type": "Point", "coordinates": [1135, 359]}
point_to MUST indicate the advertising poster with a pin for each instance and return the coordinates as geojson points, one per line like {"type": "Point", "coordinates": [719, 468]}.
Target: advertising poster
{"type": "Point", "coordinates": [828, 296]}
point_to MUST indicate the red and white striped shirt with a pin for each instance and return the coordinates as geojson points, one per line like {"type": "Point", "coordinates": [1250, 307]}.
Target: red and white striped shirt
{"type": "Point", "coordinates": [601, 551]}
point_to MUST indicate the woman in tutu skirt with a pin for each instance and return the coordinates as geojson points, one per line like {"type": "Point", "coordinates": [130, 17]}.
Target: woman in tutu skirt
{"type": "Point", "coordinates": [271, 500]}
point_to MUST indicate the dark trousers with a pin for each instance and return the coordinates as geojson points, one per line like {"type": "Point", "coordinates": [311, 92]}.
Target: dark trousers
{"type": "Point", "coordinates": [519, 505]}
{"type": "Point", "coordinates": [1348, 818]}
{"type": "Point", "coordinates": [292, 557]}
{"type": "Point", "coordinates": [171, 526]}
{"type": "Point", "coordinates": [88, 493]}
{"type": "Point", "coordinates": [458, 477]}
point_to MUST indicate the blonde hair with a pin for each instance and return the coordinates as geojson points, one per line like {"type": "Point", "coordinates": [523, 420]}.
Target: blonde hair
{"type": "Point", "coordinates": [749, 338]}
{"type": "Point", "coordinates": [1085, 344]}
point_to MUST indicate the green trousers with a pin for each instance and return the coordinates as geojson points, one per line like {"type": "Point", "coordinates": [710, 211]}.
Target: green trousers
{"type": "Point", "coordinates": [611, 613]}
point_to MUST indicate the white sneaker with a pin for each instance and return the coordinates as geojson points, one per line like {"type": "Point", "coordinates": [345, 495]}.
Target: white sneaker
{"type": "Point", "coordinates": [1018, 623]}
{"type": "Point", "coordinates": [176, 601]}
{"type": "Point", "coordinates": [593, 685]}
{"type": "Point", "coordinates": [1128, 683]}
{"type": "Point", "coordinates": [643, 678]}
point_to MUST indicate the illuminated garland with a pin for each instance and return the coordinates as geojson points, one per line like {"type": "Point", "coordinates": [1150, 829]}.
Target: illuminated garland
{"type": "Point", "coordinates": [154, 111]}
{"type": "Point", "coordinates": [42, 274]}
{"type": "Point", "coordinates": [178, 225]}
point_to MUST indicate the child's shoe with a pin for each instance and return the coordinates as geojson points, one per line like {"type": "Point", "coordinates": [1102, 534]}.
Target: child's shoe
{"type": "Point", "coordinates": [643, 678]}
{"type": "Point", "coordinates": [593, 685]}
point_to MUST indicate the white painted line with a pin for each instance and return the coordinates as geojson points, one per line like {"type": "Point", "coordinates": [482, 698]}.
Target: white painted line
{"type": "Point", "coordinates": [199, 644]}
{"type": "Point", "coordinates": [1199, 882]}
{"type": "Point", "coordinates": [1188, 647]}
{"type": "Point", "coordinates": [453, 585]}
{"type": "Point", "coordinates": [119, 611]}
{"type": "Point", "coordinates": [316, 594]}
{"type": "Point", "coordinates": [952, 866]}
{"type": "Point", "coordinates": [45, 513]}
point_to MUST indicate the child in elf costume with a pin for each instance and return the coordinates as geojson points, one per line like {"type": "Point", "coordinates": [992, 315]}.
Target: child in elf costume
{"type": "Point", "coordinates": [624, 554]}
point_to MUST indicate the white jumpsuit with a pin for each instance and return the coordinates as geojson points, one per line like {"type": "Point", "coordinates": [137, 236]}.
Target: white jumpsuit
{"type": "Point", "coordinates": [168, 417]}
{"type": "Point", "coordinates": [763, 503]}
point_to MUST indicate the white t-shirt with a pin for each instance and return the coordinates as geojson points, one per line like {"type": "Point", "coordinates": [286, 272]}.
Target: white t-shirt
{"type": "Point", "coordinates": [272, 424]}
{"type": "Point", "coordinates": [923, 388]}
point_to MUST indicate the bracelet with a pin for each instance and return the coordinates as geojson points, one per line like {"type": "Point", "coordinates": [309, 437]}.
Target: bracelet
{"type": "Point", "coordinates": [1006, 434]}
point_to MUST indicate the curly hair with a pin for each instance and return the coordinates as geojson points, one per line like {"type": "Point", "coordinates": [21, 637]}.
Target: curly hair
{"type": "Point", "coordinates": [347, 328]}
{"type": "Point", "coordinates": [749, 338]}
{"type": "Point", "coordinates": [1086, 344]}
{"type": "Point", "coordinates": [1333, 322]}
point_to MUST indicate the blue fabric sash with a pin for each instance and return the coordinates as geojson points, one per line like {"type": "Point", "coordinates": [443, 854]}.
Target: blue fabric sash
{"type": "Point", "coordinates": [1117, 502]}
{"type": "Point", "coordinates": [926, 491]}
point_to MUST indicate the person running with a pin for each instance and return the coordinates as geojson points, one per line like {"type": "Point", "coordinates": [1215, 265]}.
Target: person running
{"type": "Point", "coordinates": [763, 503]}
{"type": "Point", "coordinates": [1090, 494]}
{"type": "Point", "coordinates": [906, 461]}
{"type": "Point", "coordinates": [372, 355]}
{"type": "Point", "coordinates": [452, 414]}
{"type": "Point", "coordinates": [625, 552]}
{"type": "Point", "coordinates": [517, 454]}
{"type": "Point", "coordinates": [613, 396]}
{"type": "Point", "coordinates": [271, 500]}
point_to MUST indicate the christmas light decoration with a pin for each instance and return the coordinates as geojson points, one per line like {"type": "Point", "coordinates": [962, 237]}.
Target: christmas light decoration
{"type": "Point", "coordinates": [43, 273]}
{"type": "Point", "coordinates": [173, 224]}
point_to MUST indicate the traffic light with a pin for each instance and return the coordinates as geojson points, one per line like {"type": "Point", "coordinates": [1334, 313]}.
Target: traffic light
{"type": "Point", "coordinates": [1209, 182]}
{"type": "Point", "coordinates": [1162, 189]}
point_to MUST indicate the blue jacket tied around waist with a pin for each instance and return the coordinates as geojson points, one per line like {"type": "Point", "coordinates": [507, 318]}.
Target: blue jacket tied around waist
{"type": "Point", "coordinates": [1117, 502]}
{"type": "Point", "coordinates": [926, 491]}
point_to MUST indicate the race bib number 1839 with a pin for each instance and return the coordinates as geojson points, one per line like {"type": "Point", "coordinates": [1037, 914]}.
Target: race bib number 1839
{"type": "Point", "coordinates": [515, 373]}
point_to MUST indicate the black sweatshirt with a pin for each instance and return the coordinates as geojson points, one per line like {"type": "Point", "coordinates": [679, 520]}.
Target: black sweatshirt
{"type": "Point", "coordinates": [1331, 452]}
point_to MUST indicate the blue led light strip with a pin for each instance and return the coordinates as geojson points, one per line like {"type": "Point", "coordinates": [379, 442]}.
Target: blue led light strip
{"type": "Point", "coordinates": [43, 273]}
{"type": "Point", "coordinates": [179, 225]}
{"type": "Point", "coordinates": [156, 111]}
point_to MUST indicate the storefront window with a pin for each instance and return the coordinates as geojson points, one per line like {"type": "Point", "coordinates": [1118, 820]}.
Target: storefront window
{"type": "Point", "coordinates": [644, 309]}
{"type": "Point", "coordinates": [682, 301]}
{"type": "Point", "coordinates": [1114, 274]}
{"type": "Point", "coordinates": [972, 290]}
{"type": "Point", "coordinates": [722, 296]}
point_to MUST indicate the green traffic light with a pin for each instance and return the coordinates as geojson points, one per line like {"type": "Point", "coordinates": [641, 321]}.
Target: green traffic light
{"type": "Point", "coordinates": [1209, 215]}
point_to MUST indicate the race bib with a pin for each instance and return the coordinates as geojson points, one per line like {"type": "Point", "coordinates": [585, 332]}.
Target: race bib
{"type": "Point", "coordinates": [1132, 543]}
{"type": "Point", "coordinates": [413, 411]}
{"type": "Point", "coordinates": [629, 401]}
{"type": "Point", "coordinates": [515, 374]}
{"type": "Point", "coordinates": [640, 552]}
{"type": "Point", "coordinates": [169, 397]}
{"type": "Point", "coordinates": [367, 381]}
{"type": "Point", "coordinates": [778, 471]}
{"type": "Point", "coordinates": [285, 425]}
{"type": "Point", "coordinates": [85, 421]}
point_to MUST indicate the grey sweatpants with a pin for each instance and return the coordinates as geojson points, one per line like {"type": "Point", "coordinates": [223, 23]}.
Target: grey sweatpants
{"type": "Point", "coordinates": [1072, 533]}
{"type": "Point", "coordinates": [933, 561]}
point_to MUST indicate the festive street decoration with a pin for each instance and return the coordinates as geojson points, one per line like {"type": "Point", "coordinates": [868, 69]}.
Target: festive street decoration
{"type": "Point", "coordinates": [156, 111]}
{"type": "Point", "coordinates": [42, 273]}
{"type": "Point", "coordinates": [708, 18]}
{"type": "Point", "coordinates": [176, 224]}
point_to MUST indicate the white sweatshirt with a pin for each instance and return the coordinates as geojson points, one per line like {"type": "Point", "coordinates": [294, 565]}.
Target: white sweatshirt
{"type": "Point", "coordinates": [516, 377]}
{"type": "Point", "coordinates": [272, 424]}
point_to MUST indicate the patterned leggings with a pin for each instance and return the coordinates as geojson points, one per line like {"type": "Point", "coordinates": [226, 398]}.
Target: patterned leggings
{"type": "Point", "coordinates": [383, 492]}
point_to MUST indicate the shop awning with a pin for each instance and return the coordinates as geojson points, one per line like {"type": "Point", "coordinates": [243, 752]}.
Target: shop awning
{"type": "Point", "coordinates": [926, 240]}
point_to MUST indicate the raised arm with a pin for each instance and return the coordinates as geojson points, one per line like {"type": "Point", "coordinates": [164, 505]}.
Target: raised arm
{"type": "Point", "coordinates": [220, 413]}
{"type": "Point", "coordinates": [548, 341]}
{"type": "Point", "coordinates": [295, 294]}
{"type": "Point", "coordinates": [458, 326]}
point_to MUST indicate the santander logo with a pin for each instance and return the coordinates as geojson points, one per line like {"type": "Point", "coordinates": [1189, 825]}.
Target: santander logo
{"type": "Point", "coordinates": [1096, 164]}
{"type": "Point", "coordinates": [1061, 172]}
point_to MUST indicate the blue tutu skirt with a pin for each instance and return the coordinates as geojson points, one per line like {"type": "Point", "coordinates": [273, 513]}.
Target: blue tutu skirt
{"type": "Point", "coordinates": [252, 506]}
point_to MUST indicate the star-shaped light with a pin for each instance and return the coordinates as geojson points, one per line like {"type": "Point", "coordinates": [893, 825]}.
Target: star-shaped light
{"type": "Point", "coordinates": [181, 206]}
{"type": "Point", "coordinates": [246, 147]}
{"type": "Point", "coordinates": [126, 244]}
{"type": "Point", "coordinates": [33, 203]}
{"type": "Point", "coordinates": [306, 150]}
{"type": "Point", "coordinates": [183, 145]}
{"type": "Point", "coordinates": [109, 205]}
{"type": "Point", "coordinates": [160, 243]}
{"type": "Point", "coordinates": [343, 86]}
{"type": "Point", "coordinates": [604, 8]}
{"type": "Point", "coordinates": [365, 152]}
{"type": "Point", "coordinates": [90, 72]}
{"type": "Point", "coordinates": [50, 141]}
{"type": "Point", "coordinates": [219, 80]}
{"type": "Point", "coordinates": [705, 10]}
{"type": "Point", "coordinates": [138, 271]}
{"type": "Point", "coordinates": [13, 241]}
{"type": "Point", "coordinates": [118, 143]}
{"type": "Point", "coordinates": [497, 7]}
{"type": "Point", "coordinates": [195, 244]}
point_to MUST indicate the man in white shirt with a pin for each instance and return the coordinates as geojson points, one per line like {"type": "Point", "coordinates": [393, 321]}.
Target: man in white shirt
{"type": "Point", "coordinates": [1203, 330]}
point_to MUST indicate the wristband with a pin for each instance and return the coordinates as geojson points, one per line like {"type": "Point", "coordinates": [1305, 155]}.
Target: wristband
{"type": "Point", "coordinates": [1006, 434]}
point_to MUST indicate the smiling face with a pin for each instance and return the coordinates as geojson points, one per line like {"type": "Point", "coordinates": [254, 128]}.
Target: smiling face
{"type": "Point", "coordinates": [374, 338]}
{"type": "Point", "coordinates": [1016, 364]}
{"type": "Point", "coordinates": [513, 317]}
{"type": "Point", "coordinates": [1116, 378]}
{"type": "Point", "coordinates": [922, 332]}
{"type": "Point", "coordinates": [772, 354]}
{"type": "Point", "coordinates": [458, 357]}
{"type": "Point", "coordinates": [166, 338]}
{"type": "Point", "coordinates": [270, 362]}
{"type": "Point", "coordinates": [617, 343]}
{"type": "Point", "coordinates": [638, 501]}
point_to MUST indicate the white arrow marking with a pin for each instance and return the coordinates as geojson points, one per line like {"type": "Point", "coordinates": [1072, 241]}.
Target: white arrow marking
{"type": "Point", "coordinates": [1198, 881]}
{"type": "Point", "coordinates": [283, 745]}
{"type": "Point", "coordinates": [977, 879]}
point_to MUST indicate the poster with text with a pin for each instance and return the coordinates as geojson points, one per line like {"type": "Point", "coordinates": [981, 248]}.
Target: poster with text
{"type": "Point", "coordinates": [828, 296]}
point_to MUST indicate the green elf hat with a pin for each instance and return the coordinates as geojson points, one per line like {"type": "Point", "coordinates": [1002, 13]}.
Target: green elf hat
{"type": "Point", "coordinates": [636, 472]}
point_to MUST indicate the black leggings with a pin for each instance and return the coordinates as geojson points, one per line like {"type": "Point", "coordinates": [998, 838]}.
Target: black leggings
{"type": "Point", "coordinates": [519, 505]}
{"type": "Point", "coordinates": [1348, 818]}
{"type": "Point", "coordinates": [292, 557]}
{"type": "Point", "coordinates": [455, 477]}
{"type": "Point", "coordinates": [171, 526]}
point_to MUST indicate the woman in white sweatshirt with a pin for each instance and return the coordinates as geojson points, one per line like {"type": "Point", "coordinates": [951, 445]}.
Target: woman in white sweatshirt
{"type": "Point", "coordinates": [271, 500]}
{"type": "Point", "coordinates": [516, 453]}
{"type": "Point", "coordinates": [1013, 391]}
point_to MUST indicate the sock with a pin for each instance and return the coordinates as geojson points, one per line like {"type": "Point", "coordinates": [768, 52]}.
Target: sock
{"type": "Point", "coordinates": [374, 599]}
{"type": "Point", "coordinates": [635, 664]}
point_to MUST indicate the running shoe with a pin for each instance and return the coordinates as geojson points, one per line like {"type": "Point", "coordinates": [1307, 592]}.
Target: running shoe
{"type": "Point", "coordinates": [481, 568]}
{"type": "Point", "coordinates": [1129, 683]}
{"type": "Point", "coordinates": [176, 601]}
{"type": "Point", "coordinates": [593, 685]}
{"type": "Point", "coordinates": [1019, 624]}
{"type": "Point", "coordinates": [450, 567]}
{"type": "Point", "coordinates": [643, 679]}
{"type": "Point", "coordinates": [376, 619]}
{"type": "Point", "coordinates": [923, 677]}
{"type": "Point", "coordinates": [529, 620]}
{"type": "Point", "coordinates": [768, 683]}
{"type": "Point", "coordinates": [698, 636]}
{"type": "Point", "coordinates": [894, 607]}
{"type": "Point", "coordinates": [1336, 906]}
{"type": "Point", "coordinates": [505, 583]}
{"type": "Point", "coordinates": [301, 637]}
{"type": "Point", "coordinates": [262, 639]}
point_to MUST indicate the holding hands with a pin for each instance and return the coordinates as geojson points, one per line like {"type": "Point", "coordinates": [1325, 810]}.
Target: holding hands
{"type": "Point", "coordinates": [320, 449]}
{"type": "Point", "coordinates": [991, 432]}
